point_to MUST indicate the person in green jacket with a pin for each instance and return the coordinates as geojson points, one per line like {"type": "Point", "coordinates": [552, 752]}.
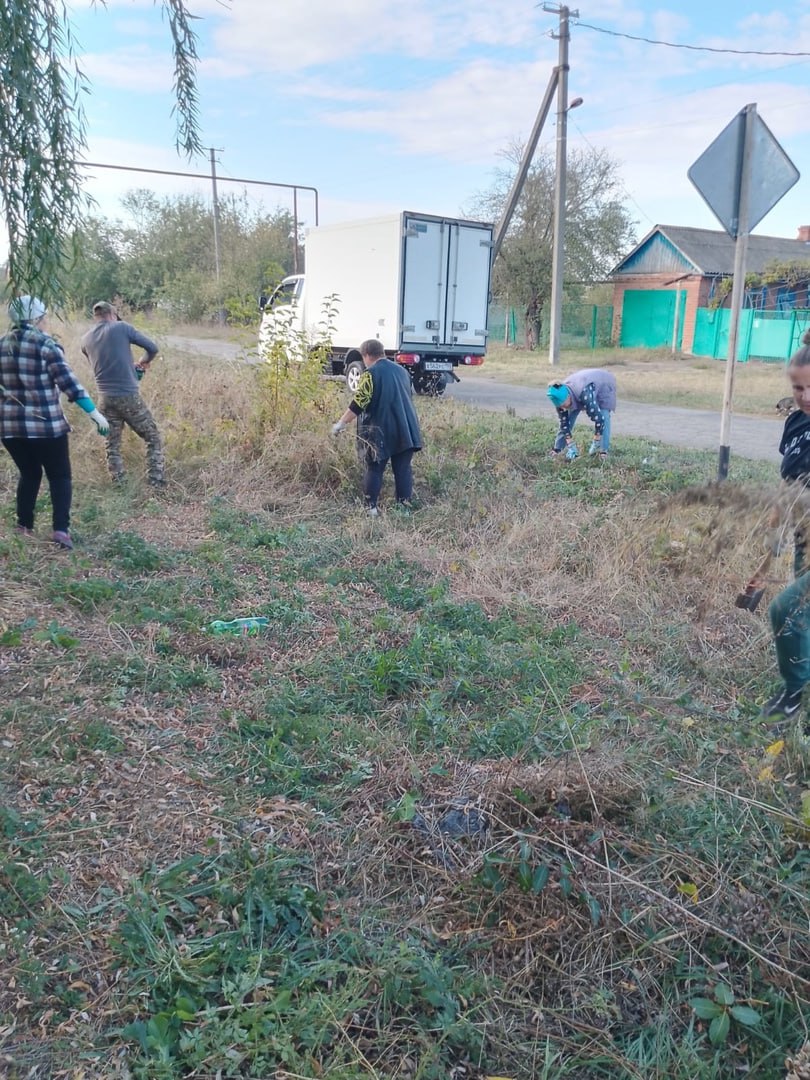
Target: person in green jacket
{"type": "Point", "coordinates": [789, 611]}
{"type": "Point", "coordinates": [387, 424]}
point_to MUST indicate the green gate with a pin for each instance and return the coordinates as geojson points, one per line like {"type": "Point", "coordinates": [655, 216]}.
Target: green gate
{"type": "Point", "coordinates": [648, 318]}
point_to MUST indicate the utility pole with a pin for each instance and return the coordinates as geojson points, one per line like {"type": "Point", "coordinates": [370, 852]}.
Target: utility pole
{"type": "Point", "coordinates": [558, 251]}
{"type": "Point", "coordinates": [215, 200]}
{"type": "Point", "coordinates": [525, 164]}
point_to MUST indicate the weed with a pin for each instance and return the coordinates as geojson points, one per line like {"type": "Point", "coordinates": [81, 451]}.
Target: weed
{"type": "Point", "coordinates": [131, 553]}
{"type": "Point", "coordinates": [54, 634]}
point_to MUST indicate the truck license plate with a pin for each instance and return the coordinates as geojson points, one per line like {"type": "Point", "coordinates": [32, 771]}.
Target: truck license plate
{"type": "Point", "coordinates": [438, 365]}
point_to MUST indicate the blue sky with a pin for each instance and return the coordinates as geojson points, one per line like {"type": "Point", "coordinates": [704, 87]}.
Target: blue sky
{"type": "Point", "coordinates": [406, 104]}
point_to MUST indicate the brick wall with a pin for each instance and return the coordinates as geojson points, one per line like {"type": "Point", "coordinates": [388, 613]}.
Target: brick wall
{"type": "Point", "coordinates": [697, 294]}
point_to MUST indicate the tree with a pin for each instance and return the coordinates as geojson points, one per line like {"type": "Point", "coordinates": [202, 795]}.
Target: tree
{"type": "Point", "coordinates": [95, 270]}
{"type": "Point", "coordinates": [42, 134]}
{"type": "Point", "coordinates": [598, 229]}
{"type": "Point", "coordinates": [166, 257]}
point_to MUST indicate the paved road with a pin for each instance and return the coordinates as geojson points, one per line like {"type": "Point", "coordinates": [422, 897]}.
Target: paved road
{"type": "Point", "coordinates": [751, 436]}
{"type": "Point", "coordinates": [697, 429]}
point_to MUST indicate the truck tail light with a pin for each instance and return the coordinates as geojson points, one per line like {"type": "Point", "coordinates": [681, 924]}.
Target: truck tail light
{"type": "Point", "coordinates": [473, 361]}
{"type": "Point", "coordinates": [408, 358]}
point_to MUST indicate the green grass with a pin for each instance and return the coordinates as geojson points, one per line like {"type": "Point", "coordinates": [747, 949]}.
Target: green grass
{"type": "Point", "coordinates": [226, 855]}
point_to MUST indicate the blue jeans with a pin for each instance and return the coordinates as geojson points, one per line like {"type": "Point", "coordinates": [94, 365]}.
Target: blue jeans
{"type": "Point", "coordinates": [559, 442]}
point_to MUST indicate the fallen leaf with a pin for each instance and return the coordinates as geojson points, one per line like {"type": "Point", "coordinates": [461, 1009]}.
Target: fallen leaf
{"type": "Point", "coordinates": [688, 889]}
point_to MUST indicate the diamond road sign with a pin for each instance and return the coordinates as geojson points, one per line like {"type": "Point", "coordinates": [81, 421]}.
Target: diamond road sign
{"type": "Point", "coordinates": [717, 173]}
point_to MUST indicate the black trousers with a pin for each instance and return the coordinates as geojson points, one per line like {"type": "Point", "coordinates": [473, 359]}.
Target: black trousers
{"type": "Point", "coordinates": [403, 476]}
{"type": "Point", "coordinates": [32, 457]}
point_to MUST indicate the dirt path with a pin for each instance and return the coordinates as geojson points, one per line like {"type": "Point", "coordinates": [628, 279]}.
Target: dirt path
{"type": "Point", "coordinates": [696, 429]}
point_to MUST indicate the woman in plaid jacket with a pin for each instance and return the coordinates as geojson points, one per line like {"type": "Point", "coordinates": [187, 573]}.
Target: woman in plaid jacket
{"type": "Point", "coordinates": [33, 427]}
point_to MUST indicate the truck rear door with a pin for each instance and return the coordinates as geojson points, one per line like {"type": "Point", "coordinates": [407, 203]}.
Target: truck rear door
{"type": "Point", "coordinates": [445, 289]}
{"type": "Point", "coordinates": [424, 282]}
{"type": "Point", "coordinates": [469, 255]}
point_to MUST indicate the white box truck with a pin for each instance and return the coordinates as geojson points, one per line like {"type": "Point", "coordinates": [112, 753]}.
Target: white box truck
{"type": "Point", "coordinates": [418, 283]}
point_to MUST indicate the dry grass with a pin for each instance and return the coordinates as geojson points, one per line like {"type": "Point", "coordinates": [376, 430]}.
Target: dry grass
{"type": "Point", "coordinates": [640, 772]}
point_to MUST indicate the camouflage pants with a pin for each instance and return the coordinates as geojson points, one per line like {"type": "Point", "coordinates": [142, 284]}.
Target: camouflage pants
{"type": "Point", "coordinates": [132, 410]}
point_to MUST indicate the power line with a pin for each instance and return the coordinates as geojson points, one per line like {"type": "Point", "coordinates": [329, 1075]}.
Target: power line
{"type": "Point", "coordinates": [622, 185]}
{"type": "Point", "coordinates": [679, 95]}
{"type": "Point", "coordinates": [693, 48]}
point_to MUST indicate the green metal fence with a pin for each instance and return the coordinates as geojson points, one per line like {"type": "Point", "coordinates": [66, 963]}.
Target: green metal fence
{"type": "Point", "coordinates": [504, 326]}
{"type": "Point", "coordinates": [763, 335]}
{"type": "Point", "coordinates": [583, 327]}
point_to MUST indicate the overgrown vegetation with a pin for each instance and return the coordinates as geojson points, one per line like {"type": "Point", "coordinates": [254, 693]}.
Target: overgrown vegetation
{"type": "Point", "coordinates": [489, 798]}
{"type": "Point", "coordinates": [790, 273]}
{"type": "Point", "coordinates": [163, 258]}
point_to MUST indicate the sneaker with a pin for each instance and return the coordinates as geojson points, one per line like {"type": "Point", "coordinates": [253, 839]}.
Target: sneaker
{"type": "Point", "coordinates": [62, 540]}
{"type": "Point", "coordinates": [23, 530]}
{"type": "Point", "coordinates": [785, 703]}
{"type": "Point", "coordinates": [372, 511]}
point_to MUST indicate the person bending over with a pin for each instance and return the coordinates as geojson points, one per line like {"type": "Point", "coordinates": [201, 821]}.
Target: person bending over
{"type": "Point", "coordinates": [592, 390]}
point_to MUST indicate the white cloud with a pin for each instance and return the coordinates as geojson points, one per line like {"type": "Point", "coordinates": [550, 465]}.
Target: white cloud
{"type": "Point", "coordinates": [467, 116]}
{"type": "Point", "coordinates": [134, 67]}
{"type": "Point", "coordinates": [295, 37]}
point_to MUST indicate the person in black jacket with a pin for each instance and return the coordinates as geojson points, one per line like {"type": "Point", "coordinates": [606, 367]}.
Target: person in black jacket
{"type": "Point", "coordinates": [387, 425]}
{"type": "Point", "coordinates": [790, 610]}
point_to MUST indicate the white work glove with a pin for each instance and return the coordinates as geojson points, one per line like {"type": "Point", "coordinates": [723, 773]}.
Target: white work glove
{"type": "Point", "coordinates": [100, 421]}
{"type": "Point", "coordinates": [338, 427]}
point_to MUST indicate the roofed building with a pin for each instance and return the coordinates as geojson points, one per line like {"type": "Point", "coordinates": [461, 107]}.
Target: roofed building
{"type": "Point", "coordinates": [660, 285]}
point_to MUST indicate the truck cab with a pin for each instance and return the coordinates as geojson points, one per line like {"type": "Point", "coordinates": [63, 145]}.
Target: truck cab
{"type": "Point", "coordinates": [280, 310]}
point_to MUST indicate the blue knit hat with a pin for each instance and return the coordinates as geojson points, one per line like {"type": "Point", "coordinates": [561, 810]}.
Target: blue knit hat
{"type": "Point", "coordinates": [558, 394]}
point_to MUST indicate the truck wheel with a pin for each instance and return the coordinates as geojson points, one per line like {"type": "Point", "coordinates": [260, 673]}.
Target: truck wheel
{"type": "Point", "coordinates": [428, 384]}
{"type": "Point", "coordinates": [353, 372]}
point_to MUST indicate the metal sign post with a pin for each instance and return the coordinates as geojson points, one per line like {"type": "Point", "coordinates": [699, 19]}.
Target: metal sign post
{"type": "Point", "coordinates": [737, 290]}
{"type": "Point", "coordinates": [741, 176]}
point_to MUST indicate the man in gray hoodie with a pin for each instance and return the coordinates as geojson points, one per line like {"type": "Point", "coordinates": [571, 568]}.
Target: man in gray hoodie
{"type": "Point", "coordinates": [108, 347]}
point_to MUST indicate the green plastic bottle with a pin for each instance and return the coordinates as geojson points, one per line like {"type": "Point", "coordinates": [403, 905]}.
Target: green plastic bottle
{"type": "Point", "coordinates": [239, 626]}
